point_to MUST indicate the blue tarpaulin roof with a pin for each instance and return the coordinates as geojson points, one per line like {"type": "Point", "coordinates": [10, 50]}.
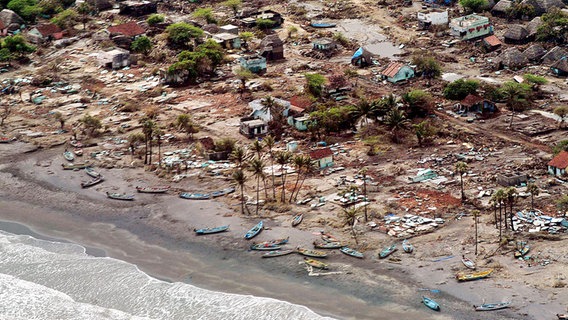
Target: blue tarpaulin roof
{"type": "Point", "coordinates": [357, 53]}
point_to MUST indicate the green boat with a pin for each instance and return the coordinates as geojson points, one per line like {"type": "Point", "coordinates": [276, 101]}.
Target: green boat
{"type": "Point", "coordinates": [311, 253]}
{"type": "Point", "coordinates": [327, 245]}
{"type": "Point", "coordinates": [74, 166]}
{"type": "Point", "coordinates": [430, 303]}
{"type": "Point", "coordinates": [352, 252]}
{"type": "Point", "coordinates": [387, 251]}
{"type": "Point", "coordinates": [277, 253]}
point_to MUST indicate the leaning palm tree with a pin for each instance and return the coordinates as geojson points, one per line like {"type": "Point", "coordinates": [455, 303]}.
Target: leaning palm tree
{"type": "Point", "coordinates": [308, 169]}
{"type": "Point", "coordinates": [298, 162]}
{"type": "Point", "coordinates": [350, 218]}
{"type": "Point", "coordinates": [283, 158]}
{"type": "Point", "coordinates": [256, 166]}
{"type": "Point", "coordinates": [239, 155]}
{"type": "Point", "coordinates": [396, 121]}
{"type": "Point", "coordinates": [269, 143]}
{"type": "Point", "coordinates": [511, 197]}
{"type": "Point", "coordinates": [534, 191]}
{"type": "Point", "coordinates": [257, 148]}
{"type": "Point", "coordinates": [240, 178]}
{"type": "Point", "coordinates": [461, 168]}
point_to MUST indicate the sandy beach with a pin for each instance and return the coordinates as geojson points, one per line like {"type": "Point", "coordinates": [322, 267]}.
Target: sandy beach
{"type": "Point", "coordinates": [154, 232]}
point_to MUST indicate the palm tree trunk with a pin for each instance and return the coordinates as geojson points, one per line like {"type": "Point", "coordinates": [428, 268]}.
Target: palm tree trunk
{"type": "Point", "coordinates": [300, 187]}
{"type": "Point", "coordinates": [295, 186]}
{"type": "Point", "coordinates": [159, 152]}
{"type": "Point", "coordinates": [461, 183]}
{"type": "Point", "coordinates": [146, 150]}
{"type": "Point", "coordinates": [475, 217]}
{"type": "Point", "coordinates": [500, 224]}
{"type": "Point", "coordinates": [505, 215]}
{"type": "Point", "coordinates": [511, 215]}
{"type": "Point", "coordinates": [283, 193]}
{"type": "Point", "coordinates": [272, 168]}
{"type": "Point", "coordinates": [495, 214]}
{"type": "Point", "coordinates": [242, 199]}
{"type": "Point", "coordinates": [264, 185]}
{"type": "Point", "coordinates": [257, 193]}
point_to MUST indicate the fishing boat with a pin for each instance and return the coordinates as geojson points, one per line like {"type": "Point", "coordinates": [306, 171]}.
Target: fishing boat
{"type": "Point", "coordinates": [74, 166]}
{"type": "Point", "coordinates": [297, 219]}
{"type": "Point", "coordinates": [195, 196]}
{"type": "Point", "coordinates": [327, 245]}
{"type": "Point", "coordinates": [430, 303]}
{"type": "Point", "coordinates": [264, 247]}
{"type": "Point", "coordinates": [92, 182]}
{"type": "Point", "coordinates": [274, 242]}
{"type": "Point", "coordinates": [211, 230]}
{"type": "Point", "coordinates": [387, 251]}
{"type": "Point", "coordinates": [522, 249]}
{"type": "Point", "coordinates": [254, 231]}
{"type": "Point", "coordinates": [120, 196]}
{"type": "Point", "coordinates": [407, 246]}
{"type": "Point", "coordinates": [473, 276]}
{"type": "Point", "coordinates": [78, 152]}
{"type": "Point", "coordinates": [223, 192]}
{"type": "Point", "coordinates": [277, 253]}
{"type": "Point", "coordinates": [328, 237]}
{"type": "Point", "coordinates": [311, 253]}
{"type": "Point", "coordinates": [91, 172]}
{"type": "Point", "coordinates": [316, 263]}
{"type": "Point", "coordinates": [76, 144]}
{"type": "Point", "coordinates": [68, 155]}
{"type": "Point", "coordinates": [322, 24]}
{"type": "Point", "coordinates": [156, 189]}
{"type": "Point", "coordinates": [562, 316]}
{"type": "Point", "coordinates": [492, 306]}
{"type": "Point", "coordinates": [6, 140]}
{"type": "Point", "coordinates": [468, 263]}
{"type": "Point", "coordinates": [352, 252]}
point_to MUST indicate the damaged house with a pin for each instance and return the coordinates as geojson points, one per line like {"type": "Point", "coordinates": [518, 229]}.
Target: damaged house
{"type": "Point", "coordinates": [10, 20]}
{"type": "Point", "coordinates": [123, 34]}
{"type": "Point", "coordinates": [44, 33]}
{"type": "Point", "coordinates": [250, 20]}
{"type": "Point", "coordinates": [491, 43]}
{"type": "Point", "coordinates": [256, 124]}
{"type": "Point", "coordinates": [516, 34]}
{"type": "Point", "coordinates": [137, 8]}
{"type": "Point", "coordinates": [501, 8]}
{"type": "Point", "coordinates": [362, 58]}
{"type": "Point", "coordinates": [544, 6]}
{"type": "Point", "coordinates": [470, 27]}
{"type": "Point", "coordinates": [114, 59]}
{"type": "Point", "coordinates": [272, 48]}
{"type": "Point", "coordinates": [396, 72]}
{"type": "Point", "coordinates": [475, 103]}
{"type": "Point", "coordinates": [560, 67]}
{"type": "Point", "coordinates": [535, 52]}
{"type": "Point", "coordinates": [511, 58]}
{"type": "Point", "coordinates": [322, 157]}
{"type": "Point", "coordinates": [433, 17]}
{"type": "Point", "coordinates": [558, 166]}
{"type": "Point", "coordinates": [554, 55]}
{"type": "Point", "coordinates": [253, 63]}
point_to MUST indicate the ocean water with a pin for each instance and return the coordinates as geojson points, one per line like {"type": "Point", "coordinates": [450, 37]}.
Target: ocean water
{"type": "Point", "coordinates": [46, 280]}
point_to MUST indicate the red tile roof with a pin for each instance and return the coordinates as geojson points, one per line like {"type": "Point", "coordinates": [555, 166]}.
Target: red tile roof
{"type": "Point", "coordinates": [320, 153]}
{"type": "Point", "coordinates": [300, 101]}
{"type": "Point", "coordinates": [392, 69]}
{"type": "Point", "coordinates": [129, 29]}
{"type": "Point", "coordinates": [47, 30]}
{"type": "Point", "coordinates": [2, 26]}
{"type": "Point", "coordinates": [560, 161]}
{"type": "Point", "coordinates": [471, 99]}
{"type": "Point", "coordinates": [492, 41]}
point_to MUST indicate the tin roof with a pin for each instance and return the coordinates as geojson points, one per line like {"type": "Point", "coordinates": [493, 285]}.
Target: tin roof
{"type": "Point", "coordinates": [129, 29]}
{"type": "Point", "coordinates": [392, 69]}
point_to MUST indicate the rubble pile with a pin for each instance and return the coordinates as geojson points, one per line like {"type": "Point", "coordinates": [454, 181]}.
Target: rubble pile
{"type": "Point", "coordinates": [409, 225]}
{"type": "Point", "coordinates": [536, 221]}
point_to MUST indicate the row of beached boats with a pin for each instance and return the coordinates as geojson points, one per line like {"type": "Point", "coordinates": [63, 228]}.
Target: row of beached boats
{"type": "Point", "coordinates": [430, 303]}
{"type": "Point", "coordinates": [206, 196]}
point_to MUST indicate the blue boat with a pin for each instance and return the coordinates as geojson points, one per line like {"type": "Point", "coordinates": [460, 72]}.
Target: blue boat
{"type": "Point", "coordinates": [430, 303]}
{"type": "Point", "coordinates": [223, 192]}
{"type": "Point", "coordinates": [407, 246]}
{"type": "Point", "coordinates": [195, 196]}
{"type": "Point", "coordinates": [211, 230]}
{"type": "Point", "coordinates": [387, 251]}
{"type": "Point", "coordinates": [254, 231]}
{"type": "Point", "coordinates": [352, 252]}
{"type": "Point", "coordinates": [323, 24]}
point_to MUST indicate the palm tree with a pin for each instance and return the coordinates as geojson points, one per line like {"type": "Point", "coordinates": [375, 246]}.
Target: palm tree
{"type": "Point", "coordinates": [148, 127]}
{"type": "Point", "coordinates": [257, 147]}
{"type": "Point", "coordinates": [298, 162]}
{"type": "Point", "coordinates": [534, 191]}
{"type": "Point", "coordinates": [499, 198]}
{"type": "Point", "coordinates": [186, 124]}
{"type": "Point", "coordinates": [59, 118]}
{"type": "Point", "coordinates": [158, 133]}
{"type": "Point", "coordinates": [133, 141]}
{"type": "Point", "coordinates": [269, 143]}
{"type": "Point", "coordinates": [350, 218]}
{"type": "Point", "coordinates": [256, 166]}
{"type": "Point", "coordinates": [396, 120]}
{"type": "Point", "coordinates": [475, 219]}
{"type": "Point", "coordinates": [240, 178]}
{"type": "Point", "coordinates": [239, 155]}
{"type": "Point", "coordinates": [363, 110]}
{"type": "Point", "coordinates": [283, 158]}
{"type": "Point", "coordinates": [516, 97]}
{"type": "Point", "coordinates": [511, 196]}
{"type": "Point", "coordinates": [461, 168]}
{"type": "Point", "coordinates": [308, 169]}
{"type": "Point", "coordinates": [363, 172]}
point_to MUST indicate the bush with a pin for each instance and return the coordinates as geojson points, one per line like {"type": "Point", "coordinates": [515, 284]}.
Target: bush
{"type": "Point", "coordinates": [460, 88]}
{"type": "Point", "coordinates": [181, 33]}
{"type": "Point", "coordinates": [553, 27]}
{"type": "Point", "coordinates": [264, 24]}
{"type": "Point", "coordinates": [474, 5]}
{"type": "Point", "coordinates": [154, 19]}
{"type": "Point", "coordinates": [17, 45]}
{"type": "Point", "coordinates": [429, 67]}
{"type": "Point", "coordinates": [314, 83]}
{"type": "Point", "coordinates": [65, 19]}
{"type": "Point", "coordinates": [141, 44]}
{"type": "Point", "coordinates": [27, 9]}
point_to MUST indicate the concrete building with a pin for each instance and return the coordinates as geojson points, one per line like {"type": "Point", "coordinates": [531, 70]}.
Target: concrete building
{"type": "Point", "coordinates": [114, 59]}
{"type": "Point", "coordinates": [251, 127]}
{"type": "Point", "coordinates": [470, 27]}
{"type": "Point", "coordinates": [426, 19]}
{"type": "Point", "coordinates": [322, 157]}
{"type": "Point", "coordinates": [253, 63]}
{"type": "Point", "coordinates": [558, 166]}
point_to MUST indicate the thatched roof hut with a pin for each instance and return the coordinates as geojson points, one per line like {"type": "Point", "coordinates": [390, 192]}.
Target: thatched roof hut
{"type": "Point", "coordinates": [554, 55]}
{"type": "Point", "coordinates": [500, 9]}
{"type": "Point", "coordinates": [544, 6]}
{"type": "Point", "coordinates": [532, 27]}
{"type": "Point", "coordinates": [516, 34]}
{"type": "Point", "coordinates": [511, 58]}
{"type": "Point", "coordinates": [535, 52]}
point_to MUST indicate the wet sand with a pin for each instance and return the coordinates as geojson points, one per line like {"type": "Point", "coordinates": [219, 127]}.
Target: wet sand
{"type": "Point", "coordinates": [154, 232]}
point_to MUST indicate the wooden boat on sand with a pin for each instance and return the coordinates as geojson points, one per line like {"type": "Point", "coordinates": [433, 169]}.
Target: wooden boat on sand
{"type": "Point", "coordinates": [74, 166]}
{"type": "Point", "coordinates": [297, 219]}
{"type": "Point", "coordinates": [311, 253]}
{"type": "Point", "coordinates": [6, 139]}
{"type": "Point", "coordinates": [91, 172]}
{"type": "Point", "coordinates": [277, 253]}
{"type": "Point", "coordinates": [407, 246]}
{"type": "Point", "coordinates": [522, 249]}
{"type": "Point", "coordinates": [195, 196]}
{"type": "Point", "coordinates": [322, 24]}
{"type": "Point", "coordinates": [120, 196]}
{"type": "Point", "coordinates": [254, 231]}
{"type": "Point", "coordinates": [223, 192]}
{"type": "Point", "coordinates": [352, 252]}
{"type": "Point", "coordinates": [492, 306]}
{"type": "Point", "coordinates": [387, 251]}
{"type": "Point", "coordinates": [316, 263]}
{"type": "Point", "coordinates": [264, 247]}
{"type": "Point", "coordinates": [468, 263]}
{"type": "Point", "coordinates": [274, 242]}
{"type": "Point", "coordinates": [328, 237]}
{"type": "Point", "coordinates": [68, 155]}
{"type": "Point", "coordinates": [327, 245]}
{"type": "Point", "coordinates": [211, 230]}
{"type": "Point", "coordinates": [92, 182]}
{"type": "Point", "coordinates": [430, 303]}
{"type": "Point", "coordinates": [562, 316]}
{"type": "Point", "coordinates": [78, 152]}
{"type": "Point", "coordinates": [156, 189]}
{"type": "Point", "coordinates": [473, 276]}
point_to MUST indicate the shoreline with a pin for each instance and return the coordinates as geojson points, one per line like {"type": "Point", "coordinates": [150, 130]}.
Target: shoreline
{"type": "Point", "coordinates": [130, 232]}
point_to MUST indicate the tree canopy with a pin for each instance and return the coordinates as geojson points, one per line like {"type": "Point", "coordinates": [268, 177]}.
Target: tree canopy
{"type": "Point", "coordinates": [181, 33]}
{"type": "Point", "coordinates": [460, 88]}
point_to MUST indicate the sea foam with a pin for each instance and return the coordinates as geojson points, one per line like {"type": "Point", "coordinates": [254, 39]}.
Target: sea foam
{"type": "Point", "coordinates": [51, 280]}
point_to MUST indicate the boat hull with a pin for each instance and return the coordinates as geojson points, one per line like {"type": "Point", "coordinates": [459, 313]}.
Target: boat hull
{"type": "Point", "coordinates": [254, 231]}
{"type": "Point", "coordinates": [211, 230]}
